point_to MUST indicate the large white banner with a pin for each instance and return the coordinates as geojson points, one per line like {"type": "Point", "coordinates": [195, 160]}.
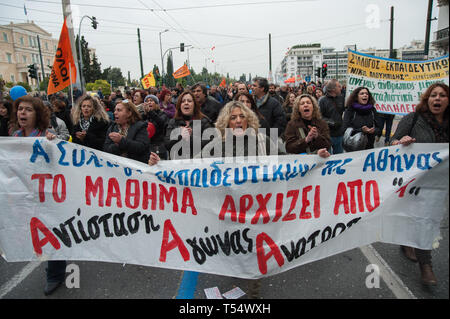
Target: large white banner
{"type": "Point", "coordinates": [247, 219]}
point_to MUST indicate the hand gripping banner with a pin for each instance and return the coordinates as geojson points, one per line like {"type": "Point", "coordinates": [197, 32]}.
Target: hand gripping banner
{"type": "Point", "coordinates": [62, 201]}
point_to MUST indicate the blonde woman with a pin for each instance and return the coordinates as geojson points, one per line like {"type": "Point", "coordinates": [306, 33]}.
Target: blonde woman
{"type": "Point", "coordinates": [128, 136]}
{"type": "Point", "coordinates": [239, 125]}
{"type": "Point", "coordinates": [90, 122]}
{"type": "Point", "coordinates": [306, 132]}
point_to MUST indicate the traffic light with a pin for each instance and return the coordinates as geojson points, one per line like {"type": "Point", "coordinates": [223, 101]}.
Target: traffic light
{"type": "Point", "coordinates": [94, 23]}
{"type": "Point", "coordinates": [181, 47]}
{"type": "Point", "coordinates": [324, 70]}
{"type": "Point", "coordinates": [318, 72]}
{"type": "Point", "coordinates": [32, 72]}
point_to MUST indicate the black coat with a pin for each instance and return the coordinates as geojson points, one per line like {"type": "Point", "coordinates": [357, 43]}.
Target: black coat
{"type": "Point", "coordinates": [331, 109]}
{"type": "Point", "coordinates": [95, 135]}
{"type": "Point", "coordinates": [136, 144]}
{"type": "Point", "coordinates": [273, 113]}
{"type": "Point", "coordinates": [211, 108]}
{"type": "Point", "coordinates": [357, 118]}
{"type": "Point", "coordinates": [176, 123]}
{"type": "Point", "coordinates": [159, 119]}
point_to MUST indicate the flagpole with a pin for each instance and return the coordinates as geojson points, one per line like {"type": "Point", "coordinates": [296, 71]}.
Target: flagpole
{"type": "Point", "coordinates": [70, 80]}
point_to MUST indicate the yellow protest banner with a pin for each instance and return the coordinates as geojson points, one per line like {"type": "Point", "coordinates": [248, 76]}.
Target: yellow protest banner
{"type": "Point", "coordinates": [396, 85]}
{"type": "Point", "coordinates": [148, 81]}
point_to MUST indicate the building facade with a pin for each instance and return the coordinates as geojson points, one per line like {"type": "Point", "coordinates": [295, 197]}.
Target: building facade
{"type": "Point", "coordinates": [441, 40]}
{"type": "Point", "coordinates": [302, 61]}
{"type": "Point", "coordinates": [19, 48]}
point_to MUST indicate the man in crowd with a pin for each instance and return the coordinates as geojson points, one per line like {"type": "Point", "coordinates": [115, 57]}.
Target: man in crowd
{"type": "Point", "coordinates": [273, 93]}
{"type": "Point", "coordinates": [269, 107]}
{"type": "Point", "coordinates": [208, 105]}
{"type": "Point", "coordinates": [332, 107]}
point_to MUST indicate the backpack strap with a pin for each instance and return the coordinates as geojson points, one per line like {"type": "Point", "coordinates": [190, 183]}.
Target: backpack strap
{"type": "Point", "coordinates": [303, 136]}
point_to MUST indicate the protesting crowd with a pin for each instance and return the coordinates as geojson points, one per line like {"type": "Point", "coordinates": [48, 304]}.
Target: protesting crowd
{"type": "Point", "coordinates": [147, 125]}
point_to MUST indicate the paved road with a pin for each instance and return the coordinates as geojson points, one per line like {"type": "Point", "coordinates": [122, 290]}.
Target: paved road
{"type": "Point", "coordinates": [340, 276]}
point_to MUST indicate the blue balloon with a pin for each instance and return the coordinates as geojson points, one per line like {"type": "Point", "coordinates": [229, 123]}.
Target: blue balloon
{"type": "Point", "coordinates": [17, 91]}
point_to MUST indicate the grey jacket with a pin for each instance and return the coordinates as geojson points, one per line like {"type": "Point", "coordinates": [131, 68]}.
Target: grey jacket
{"type": "Point", "coordinates": [331, 109]}
{"type": "Point", "coordinates": [421, 131]}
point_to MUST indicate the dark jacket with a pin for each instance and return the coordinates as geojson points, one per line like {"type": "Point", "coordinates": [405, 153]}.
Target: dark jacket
{"type": "Point", "coordinates": [421, 130]}
{"type": "Point", "coordinates": [65, 116]}
{"type": "Point", "coordinates": [273, 113]}
{"type": "Point", "coordinates": [159, 119]}
{"type": "Point", "coordinates": [95, 135]}
{"type": "Point", "coordinates": [211, 108]}
{"type": "Point", "coordinates": [295, 144]}
{"type": "Point", "coordinates": [4, 126]}
{"type": "Point", "coordinates": [176, 123]}
{"type": "Point", "coordinates": [135, 145]}
{"type": "Point", "coordinates": [356, 119]}
{"type": "Point", "coordinates": [332, 109]}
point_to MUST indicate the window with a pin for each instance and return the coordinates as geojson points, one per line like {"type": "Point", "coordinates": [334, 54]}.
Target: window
{"type": "Point", "coordinates": [21, 41]}
{"type": "Point", "coordinates": [9, 57]}
{"type": "Point", "coordinates": [5, 37]}
{"type": "Point", "coordinates": [24, 59]}
{"type": "Point", "coordinates": [46, 46]}
{"type": "Point", "coordinates": [30, 41]}
{"type": "Point", "coordinates": [13, 79]}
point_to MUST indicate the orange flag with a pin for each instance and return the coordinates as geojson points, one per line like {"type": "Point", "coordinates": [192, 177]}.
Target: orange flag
{"type": "Point", "coordinates": [181, 72]}
{"type": "Point", "coordinates": [64, 70]}
{"type": "Point", "coordinates": [223, 83]}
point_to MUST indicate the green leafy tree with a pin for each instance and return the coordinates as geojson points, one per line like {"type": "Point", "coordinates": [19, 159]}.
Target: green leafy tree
{"type": "Point", "coordinates": [106, 89]}
{"type": "Point", "coordinates": [114, 75]}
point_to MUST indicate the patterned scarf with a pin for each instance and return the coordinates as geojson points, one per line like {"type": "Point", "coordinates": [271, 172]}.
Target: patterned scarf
{"type": "Point", "coordinates": [34, 133]}
{"type": "Point", "coordinates": [84, 124]}
{"type": "Point", "coordinates": [123, 131]}
{"type": "Point", "coordinates": [440, 130]}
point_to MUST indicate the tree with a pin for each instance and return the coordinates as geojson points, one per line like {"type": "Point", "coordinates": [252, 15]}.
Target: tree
{"type": "Point", "coordinates": [114, 75]}
{"type": "Point", "coordinates": [95, 72]}
{"type": "Point", "coordinates": [85, 58]}
{"type": "Point", "coordinates": [169, 81]}
{"type": "Point", "coordinates": [106, 89]}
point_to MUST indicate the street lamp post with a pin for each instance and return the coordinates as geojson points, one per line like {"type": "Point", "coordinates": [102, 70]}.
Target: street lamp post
{"type": "Point", "coordinates": [94, 25]}
{"type": "Point", "coordinates": [160, 48]}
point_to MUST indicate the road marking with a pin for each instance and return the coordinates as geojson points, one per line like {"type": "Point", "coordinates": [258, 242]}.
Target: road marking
{"type": "Point", "coordinates": [17, 279]}
{"type": "Point", "coordinates": [400, 290]}
{"type": "Point", "coordinates": [188, 285]}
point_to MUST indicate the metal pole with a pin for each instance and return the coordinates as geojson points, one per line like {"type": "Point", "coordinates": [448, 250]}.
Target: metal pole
{"type": "Point", "coordinates": [162, 59]}
{"type": "Point", "coordinates": [67, 12]}
{"type": "Point", "coordinates": [427, 30]}
{"type": "Point", "coordinates": [140, 53]}
{"type": "Point", "coordinates": [270, 52]}
{"type": "Point", "coordinates": [391, 42]}
{"type": "Point", "coordinates": [81, 56]}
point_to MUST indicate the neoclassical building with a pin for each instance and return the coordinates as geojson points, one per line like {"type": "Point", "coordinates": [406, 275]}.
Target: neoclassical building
{"type": "Point", "coordinates": [19, 48]}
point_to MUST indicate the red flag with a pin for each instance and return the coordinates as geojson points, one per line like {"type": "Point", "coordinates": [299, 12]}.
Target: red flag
{"type": "Point", "coordinates": [64, 71]}
{"type": "Point", "coordinates": [223, 83]}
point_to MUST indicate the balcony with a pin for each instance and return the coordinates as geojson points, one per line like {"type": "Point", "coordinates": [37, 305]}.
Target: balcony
{"type": "Point", "coordinates": [442, 34]}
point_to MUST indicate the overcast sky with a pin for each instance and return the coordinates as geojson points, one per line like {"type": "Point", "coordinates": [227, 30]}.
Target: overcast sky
{"type": "Point", "coordinates": [239, 30]}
